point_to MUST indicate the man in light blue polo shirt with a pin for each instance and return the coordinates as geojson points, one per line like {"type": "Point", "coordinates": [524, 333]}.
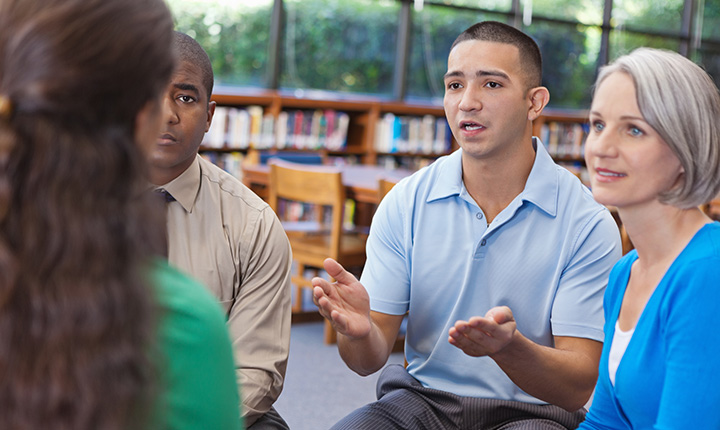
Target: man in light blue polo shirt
{"type": "Point", "coordinates": [500, 256]}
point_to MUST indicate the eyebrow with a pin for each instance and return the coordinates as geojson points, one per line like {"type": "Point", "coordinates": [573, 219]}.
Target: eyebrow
{"type": "Point", "coordinates": [186, 87]}
{"type": "Point", "coordinates": [623, 117]}
{"type": "Point", "coordinates": [478, 74]}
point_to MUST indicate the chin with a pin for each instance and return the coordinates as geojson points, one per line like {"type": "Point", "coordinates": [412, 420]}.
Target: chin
{"type": "Point", "coordinates": [603, 198]}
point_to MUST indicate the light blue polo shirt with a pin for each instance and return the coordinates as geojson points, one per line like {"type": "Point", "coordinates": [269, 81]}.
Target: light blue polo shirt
{"type": "Point", "coordinates": [547, 256]}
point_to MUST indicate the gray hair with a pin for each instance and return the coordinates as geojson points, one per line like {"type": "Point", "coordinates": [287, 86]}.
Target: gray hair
{"type": "Point", "coordinates": [680, 101]}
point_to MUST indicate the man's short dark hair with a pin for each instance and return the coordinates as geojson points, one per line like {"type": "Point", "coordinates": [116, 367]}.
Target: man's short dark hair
{"type": "Point", "coordinates": [189, 50]}
{"type": "Point", "coordinates": [493, 31]}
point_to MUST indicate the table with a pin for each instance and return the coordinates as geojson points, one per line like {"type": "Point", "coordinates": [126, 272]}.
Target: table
{"type": "Point", "coordinates": [360, 180]}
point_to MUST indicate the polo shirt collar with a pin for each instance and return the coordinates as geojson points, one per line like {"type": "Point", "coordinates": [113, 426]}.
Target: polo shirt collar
{"type": "Point", "coordinates": [186, 187]}
{"type": "Point", "coordinates": [449, 178]}
{"type": "Point", "coordinates": [541, 188]}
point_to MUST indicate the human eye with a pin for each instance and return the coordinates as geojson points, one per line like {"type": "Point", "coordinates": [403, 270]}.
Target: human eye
{"type": "Point", "coordinates": [493, 84]}
{"type": "Point", "coordinates": [597, 126]}
{"type": "Point", "coordinates": [635, 131]}
{"type": "Point", "coordinates": [454, 86]}
{"type": "Point", "coordinates": [184, 98]}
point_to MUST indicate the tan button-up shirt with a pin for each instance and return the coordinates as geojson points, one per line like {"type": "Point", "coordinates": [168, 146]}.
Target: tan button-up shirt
{"type": "Point", "coordinates": [225, 236]}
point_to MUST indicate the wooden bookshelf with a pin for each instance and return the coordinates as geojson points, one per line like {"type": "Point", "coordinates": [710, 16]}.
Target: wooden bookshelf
{"type": "Point", "coordinates": [362, 116]}
{"type": "Point", "coordinates": [564, 132]}
{"type": "Point", "coordinates": [365, 115]}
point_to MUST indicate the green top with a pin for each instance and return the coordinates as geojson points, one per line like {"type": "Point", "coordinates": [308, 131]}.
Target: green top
{"type": "Point", "coordinates": [198, 389]}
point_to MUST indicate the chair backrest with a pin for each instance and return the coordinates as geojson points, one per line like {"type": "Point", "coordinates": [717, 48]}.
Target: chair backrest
{"type": "Point", "coordinates": [384, 186]}
{"type": "Point", "coordinates": [321, 186]}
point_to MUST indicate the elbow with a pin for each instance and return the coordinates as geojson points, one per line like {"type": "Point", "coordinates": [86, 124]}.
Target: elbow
{"type": "Point", "coordinates": [364, 372]}
{"type": "Point", "coordinates": [362, 369]}
{"type": "Point", "coordinates": [573, 406]}
{"type": "Point", "coordinates": [580, 398]}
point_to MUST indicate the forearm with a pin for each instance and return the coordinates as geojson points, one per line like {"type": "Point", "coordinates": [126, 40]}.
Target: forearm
{"type": "Point", "coordinates": [368, 354]}
{"type": "Point", "coordinates": [559, 376]}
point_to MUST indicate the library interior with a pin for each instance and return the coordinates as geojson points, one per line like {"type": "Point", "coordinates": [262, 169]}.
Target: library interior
{"type": "Point", "coordinates": [354, 88]}
{"type": "Point", "coordinates": [359, 83]}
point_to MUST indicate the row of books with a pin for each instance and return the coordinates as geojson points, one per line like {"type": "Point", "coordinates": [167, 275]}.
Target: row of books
{"type": "Point", "coordinates": [252, 127]}
{"type": "Point", "coordinates": [426, 134]}
{"type": "Point", "coordinates": [565, 139]}
{"type": "Point", "coordinates": [230, 162]}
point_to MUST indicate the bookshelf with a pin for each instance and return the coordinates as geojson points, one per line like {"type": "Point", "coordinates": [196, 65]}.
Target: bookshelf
{"type": "Point", "coordinates": [368, 131]}
{"type": "Point", "coordinates": [564, 132]}
{"type": "Point", "coordinates": [248, 127]}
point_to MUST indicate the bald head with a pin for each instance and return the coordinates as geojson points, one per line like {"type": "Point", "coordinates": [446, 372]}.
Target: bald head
{"type": "Point", "coordinates": [188, 50]}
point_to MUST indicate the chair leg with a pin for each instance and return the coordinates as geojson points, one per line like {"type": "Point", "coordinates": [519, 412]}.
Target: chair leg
{"type": "Point", "coordinates": [330, 334]}
{"type": "Point", "coordinates": [297, 306]}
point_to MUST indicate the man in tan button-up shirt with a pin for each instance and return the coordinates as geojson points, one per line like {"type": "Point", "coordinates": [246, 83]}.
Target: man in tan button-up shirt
{"type": "Point", "coordinates": [224, 235]}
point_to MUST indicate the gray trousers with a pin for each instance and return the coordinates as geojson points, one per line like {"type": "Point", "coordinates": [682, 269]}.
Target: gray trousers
{"type": "Point", "coordinates": [403, 403]}
{"type": "Point", "coordinates": [270, 421]}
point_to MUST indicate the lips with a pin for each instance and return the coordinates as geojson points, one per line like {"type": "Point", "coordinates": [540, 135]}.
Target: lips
{"type": "Point", "coordinates": [607, 175]}
{"type": "Point", "coordinates": [166, 139]}
{"type": "Point", "coordinates": [471, 126]}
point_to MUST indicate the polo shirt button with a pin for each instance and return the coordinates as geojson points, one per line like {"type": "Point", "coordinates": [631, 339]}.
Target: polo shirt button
{"type": "Point", "coordinates": [482, 243]}
{"type": "Point", "coordinates": [479, 215]}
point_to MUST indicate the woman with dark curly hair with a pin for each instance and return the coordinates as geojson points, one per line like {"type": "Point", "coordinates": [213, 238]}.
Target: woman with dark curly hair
{"type": "Point", "coordinates": [95, 331]}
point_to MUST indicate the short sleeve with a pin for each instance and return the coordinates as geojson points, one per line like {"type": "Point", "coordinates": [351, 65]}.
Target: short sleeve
{"type": "Point", "coordinates": [577, 309]}
{"type": "Point", "coordinates": [386, 273]}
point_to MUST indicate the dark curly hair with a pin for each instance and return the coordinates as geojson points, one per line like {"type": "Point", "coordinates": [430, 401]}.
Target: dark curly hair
{"type": "Point", "coordinates": [76, 232]}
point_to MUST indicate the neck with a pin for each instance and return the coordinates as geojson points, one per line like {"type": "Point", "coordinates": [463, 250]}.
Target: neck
{"type": "Point", "coordinates": [660, 232]}
{"type": "Point", "coordinates": [494, 182]}
{"type": "Point", "coordinates": [160, 177]}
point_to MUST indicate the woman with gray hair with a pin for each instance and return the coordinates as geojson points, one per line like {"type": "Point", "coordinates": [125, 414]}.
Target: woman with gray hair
{"type": "Point", "coordinates": [654, 153]}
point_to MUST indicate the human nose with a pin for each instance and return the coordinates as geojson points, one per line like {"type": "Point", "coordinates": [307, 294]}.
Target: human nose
{"type": "Point", "coordinates": [470, 100]}
{"type": "Point", "coordinates": [169, 113]}
{"type": "Point", "coordinates": [600, 144]}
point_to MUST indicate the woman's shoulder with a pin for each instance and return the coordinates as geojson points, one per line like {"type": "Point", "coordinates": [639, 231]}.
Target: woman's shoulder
{"type": "Point", "coordinates": [193, 348]}
{"type": "Point", "coordinates": [183, 300]}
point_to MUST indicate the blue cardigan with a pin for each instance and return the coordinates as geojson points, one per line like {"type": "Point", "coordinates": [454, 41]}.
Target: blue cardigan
{"type": "Point", "coordinates": [669, 376]}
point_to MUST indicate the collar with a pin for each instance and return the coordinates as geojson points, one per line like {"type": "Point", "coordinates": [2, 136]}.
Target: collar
{"type": "Point", "coordinates": [186, 187]}
{"type": "Point", "coordinates": [541, 188]}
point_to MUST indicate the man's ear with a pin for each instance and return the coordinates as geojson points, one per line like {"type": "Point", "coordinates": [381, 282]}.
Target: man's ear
{"type": "Point", "coordinates": [210, 113]}
{"type": "Point", "coordinates": [538, 98]}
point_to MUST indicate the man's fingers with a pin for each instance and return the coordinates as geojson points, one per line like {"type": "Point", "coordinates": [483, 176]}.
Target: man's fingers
{"type": "Point", "coordinates": [337, 272]}
{"type": "Point", "coordinates": [500, 314]}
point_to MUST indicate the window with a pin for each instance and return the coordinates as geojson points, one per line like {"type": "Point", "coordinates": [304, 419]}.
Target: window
{"type": "Point", "coordinates": [340, 45]}
{"type": "Point", "coordinates": [622, 42]}
{"type": "Point", "coordinates": [570, 54]}
{"type": "Point", "coordinates": [234, 34]}
{"type": "Point", "coordinates": [433, 33]}
{"type": "Point", "coordinates": [585, 12]}
{"type": "Point", "coordinates": [649, 15]}
{"type": "Point", "coordinates": [349, 47]}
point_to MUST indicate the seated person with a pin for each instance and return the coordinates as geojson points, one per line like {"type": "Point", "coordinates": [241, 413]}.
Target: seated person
{"type": "Point", "coordinates": [498, 254]}
{"type": "Point", "coordinates": [97, 331]}
{"type": "Point", "coordinates": [225, 236]}
{"type": "Point", "coordinates": [654, 153]}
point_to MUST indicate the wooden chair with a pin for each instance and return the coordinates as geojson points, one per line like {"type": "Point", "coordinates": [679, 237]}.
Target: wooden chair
{"type": "Point", "coordinates": [384, 187]}
{"type": "Point", "coordinates": [320, 189]}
